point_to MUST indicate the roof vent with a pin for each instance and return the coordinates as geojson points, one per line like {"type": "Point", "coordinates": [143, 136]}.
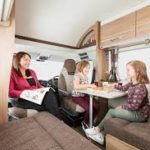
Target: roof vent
{"type": "Point", "coordinates": [84, 56]}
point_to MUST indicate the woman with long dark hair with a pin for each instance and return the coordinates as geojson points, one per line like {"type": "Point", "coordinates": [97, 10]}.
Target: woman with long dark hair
{"type": "Point", "coordinates": [22, 78]}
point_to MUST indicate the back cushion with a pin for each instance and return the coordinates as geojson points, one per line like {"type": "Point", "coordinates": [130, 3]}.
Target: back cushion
{"type": "Point", "coordinates": [148, 89]}
{"type": "Point", "coordinates": [62, 83]}
{"type": "Point", "coordinates": [68, 79]}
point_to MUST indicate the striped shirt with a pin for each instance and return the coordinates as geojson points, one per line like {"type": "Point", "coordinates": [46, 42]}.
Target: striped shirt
{"type": "Point", "coordinates": [137, 98]}
{"type": "Point", "coordinates": [83, 80]}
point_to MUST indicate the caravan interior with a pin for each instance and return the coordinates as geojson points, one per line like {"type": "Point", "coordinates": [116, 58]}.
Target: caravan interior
{"type": "Point", "coordinates": [74, 75]}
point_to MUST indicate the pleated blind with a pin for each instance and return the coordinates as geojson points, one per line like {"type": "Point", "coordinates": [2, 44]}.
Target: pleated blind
{"type": "Point", "coordinates": [5, 9]}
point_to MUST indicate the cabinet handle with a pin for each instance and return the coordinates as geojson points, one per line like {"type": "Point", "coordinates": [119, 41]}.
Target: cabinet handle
{"type": "Point", "coordinates": [115, 39]}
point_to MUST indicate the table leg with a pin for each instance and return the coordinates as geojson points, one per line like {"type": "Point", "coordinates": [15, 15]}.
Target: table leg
{"type": "Point", "coordinates": [91, 112]}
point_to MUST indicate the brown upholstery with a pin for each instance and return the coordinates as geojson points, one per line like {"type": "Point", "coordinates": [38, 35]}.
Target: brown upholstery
{"type": "Point", "coordinates": [17, 112]}
{"type": "Point", "coordinates": [65, 83]}
{"type": "Point", "coordinates": [61, 83]}
{"type": "Point", "coordinates": [41, 132]}
{"type": "Point", "coordinates": [69, 104]}
{"type": "Point", "coordinates": [136, 134]}
{"type": "Point", "coordinates": [113, 143]}
{"type": "Point", "coordinates": [70, 65]}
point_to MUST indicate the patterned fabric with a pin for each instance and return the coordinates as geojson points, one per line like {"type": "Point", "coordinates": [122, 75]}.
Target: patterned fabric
{"type": "Point", "coordinates": [137, 98]}
{"type": "Point", "coordinates": [83, 80]}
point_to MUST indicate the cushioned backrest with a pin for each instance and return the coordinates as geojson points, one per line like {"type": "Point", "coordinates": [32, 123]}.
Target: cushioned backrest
{"type": "Point", "coordinates": [70, 66]}
{"type": "Point", "coordinates": [148, 89]}
{"type": "Point", "coordinates": [62, 83]}
{"type": "Point", "coordinates": [65, 81]}
{"type": "Point", "coordinates": [68, 80]}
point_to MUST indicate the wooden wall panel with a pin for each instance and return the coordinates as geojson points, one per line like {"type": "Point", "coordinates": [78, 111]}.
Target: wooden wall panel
{"type": "Point", "coordinates": [143, 22]}
{"type": "Point", "coordinates": [7, 47]}
{"type": "Point", "coordinates": [118, 30]}
{"type": "Point", "coordinates": [100, 55]}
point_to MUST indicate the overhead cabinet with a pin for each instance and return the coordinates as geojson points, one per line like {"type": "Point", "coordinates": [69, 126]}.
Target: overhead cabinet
{"type": "Point", "coordinates": [118, 31]}
{"type": "Point", "coordinates": [143, 22]}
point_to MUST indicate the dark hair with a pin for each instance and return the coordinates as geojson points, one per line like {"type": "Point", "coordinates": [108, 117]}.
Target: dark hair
{"type": "Point", "coordinates": [16, 63]}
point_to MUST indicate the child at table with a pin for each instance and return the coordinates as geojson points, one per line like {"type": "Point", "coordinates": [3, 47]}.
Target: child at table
{"type": "Point", "coordinates": [81, 82]}
{"type": "Point", "coordinates": [137, 107]}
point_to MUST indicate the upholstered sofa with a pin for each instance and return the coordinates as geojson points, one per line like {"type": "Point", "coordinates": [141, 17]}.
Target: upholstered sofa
{"type": "Point", "coordinates": [125, 135]}
{"type": "Point", "coordinates": [41, 132]}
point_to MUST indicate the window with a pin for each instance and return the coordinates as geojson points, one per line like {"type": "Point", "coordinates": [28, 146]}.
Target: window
{"type": "Point", "coordinates": [140, 52]}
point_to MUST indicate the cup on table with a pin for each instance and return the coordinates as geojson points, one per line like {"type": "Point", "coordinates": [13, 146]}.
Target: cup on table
{"type": "Point", "coordinates": [96, 83]}
{"type": "Point", "coordinates": [119, 83]}
{"type": "Point", "coordinates": [105, 84]}
{"type": "Point", "coordinates": [100, 84]}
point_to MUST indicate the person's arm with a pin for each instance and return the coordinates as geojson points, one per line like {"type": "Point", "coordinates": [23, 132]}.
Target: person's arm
{"type": "Point", "coordinates": [78, 86]}
{"type": "Point", "coordinates": [138, 97]}
{"type": "Point", "coordinates": [122, 87]}
{"type": "Point", "coordinates": [12, 91]}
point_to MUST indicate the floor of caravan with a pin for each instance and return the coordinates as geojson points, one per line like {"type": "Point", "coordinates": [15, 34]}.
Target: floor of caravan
{"type": "Point", "coordinates": [79, 130]}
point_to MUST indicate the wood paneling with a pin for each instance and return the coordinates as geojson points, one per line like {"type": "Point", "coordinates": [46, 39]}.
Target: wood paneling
{"type": "Point", "coordinates": [92, 28]}
{"type": "Point", "coordinates": [7, 48]}
{"type": "Point", "coordinates": [143, 22]}
{"type": "Point", "coordinates": [118, 30]}
{"type": "Point", "coordinates": [100, 55]}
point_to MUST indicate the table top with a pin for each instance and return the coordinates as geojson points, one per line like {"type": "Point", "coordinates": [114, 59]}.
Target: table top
{"type": "Point", "coordinates": [104, 93]}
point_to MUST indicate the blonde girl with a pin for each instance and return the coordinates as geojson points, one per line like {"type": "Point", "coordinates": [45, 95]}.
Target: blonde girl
{"type": "Point", "coordinates": [137, 107]}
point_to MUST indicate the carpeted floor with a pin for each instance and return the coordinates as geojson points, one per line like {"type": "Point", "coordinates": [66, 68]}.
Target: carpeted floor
{"type": "Point", "coordinates": [80, 130]}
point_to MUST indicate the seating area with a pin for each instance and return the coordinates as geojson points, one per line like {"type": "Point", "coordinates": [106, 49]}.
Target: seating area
{"type": "Point", "coordinates": [75, 75]}
{"type": "Point", "coordinates": [42, 132]}
{"type": "Point", "coordinates": [132, 136]}
{"type": "Point", "coordinates": [70, 110]}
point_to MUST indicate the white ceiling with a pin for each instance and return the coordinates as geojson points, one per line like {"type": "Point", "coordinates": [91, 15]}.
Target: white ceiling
{"type": "Point", "coordinates": [64, 21]}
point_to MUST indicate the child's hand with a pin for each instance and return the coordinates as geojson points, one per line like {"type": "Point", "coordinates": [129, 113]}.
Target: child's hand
{"type": "Point", "coordinates": [93, 86]}
{"type": "Point", "coordinates": [119, 107]}
{"type": "Point", "coordinates": [112, 84]}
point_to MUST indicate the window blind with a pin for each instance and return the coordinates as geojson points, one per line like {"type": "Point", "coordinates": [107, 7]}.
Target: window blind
{"type": "Point", "coordinates": [5, 9]}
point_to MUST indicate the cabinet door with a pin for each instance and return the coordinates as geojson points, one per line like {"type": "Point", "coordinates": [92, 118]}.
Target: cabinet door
{"type": "Point", "coordinates": [143, 22]}
{"type": "Point", "coordinates": [118, 31]}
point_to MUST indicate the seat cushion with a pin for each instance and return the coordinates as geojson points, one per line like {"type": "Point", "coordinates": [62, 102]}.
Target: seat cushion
{"type": "Point", "coordinates": [69, 104]}
{"type": "Point", "coordinates": [17, 112]}
{"type": "Point", "coordinates": [136, 134]}
{"type": "Point", "coordinates": [41, 132]}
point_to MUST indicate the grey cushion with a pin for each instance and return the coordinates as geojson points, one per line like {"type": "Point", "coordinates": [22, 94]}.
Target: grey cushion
{"type": "Point", "coordinates": [136, 134]}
